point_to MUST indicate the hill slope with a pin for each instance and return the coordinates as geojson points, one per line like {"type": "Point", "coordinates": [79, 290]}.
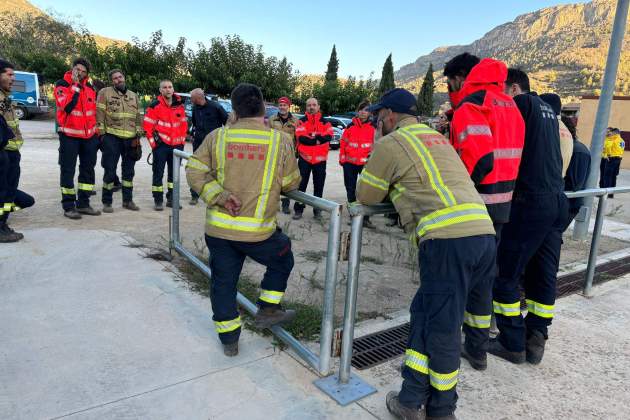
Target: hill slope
{"type": "Point", "coordinates": [563, 48]}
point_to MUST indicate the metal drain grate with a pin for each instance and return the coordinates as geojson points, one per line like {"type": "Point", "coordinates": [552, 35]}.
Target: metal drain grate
{"type": "Point", "coordinates": [374, 349]}
{"type": "Point", "coordinates": [370, 350]}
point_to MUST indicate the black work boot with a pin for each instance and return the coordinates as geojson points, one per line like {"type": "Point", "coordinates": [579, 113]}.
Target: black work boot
{"type": "Point", "coordinates": [130, 205]}
{"type": "Point", "coordinates": [72, 214]}
{"type": "Point", "coordinates": [285, 207]}
{"type": "Point", "coordinates": [231, 349]}
{"type": "Point", "coordinates": [477, 363]}
{"type": "Point", "coordinates": [497, 349]}
{"type": "Point", "coordinates": [535, 347]}
{"type": "Point", "coordinates": [169, 204]}
{"type": "Point", "coordinates": [400, 411]}
{"type": "Point", "coordinates": [272, 315]}
{"type": "Point", "coordinates": [317, 214]}
{"type": "Point", "coordinates": [89, 211]}
{"type": "Point", "coordinates": [8, 235]}
{"type": "Point", "coordinates": [107, 208]}
{"type": "Point", "coordinates": [297, 215]}
{"type": "Point", "coordinates": [158, 206]}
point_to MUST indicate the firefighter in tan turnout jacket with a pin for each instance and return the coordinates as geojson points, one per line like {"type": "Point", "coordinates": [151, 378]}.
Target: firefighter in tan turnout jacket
{"type": "Point", "coordinates": [438, 205]}
{"type": "Point", "coordinates": [239, 172]}
{"type": "Point", "coordinates": [285, 122]}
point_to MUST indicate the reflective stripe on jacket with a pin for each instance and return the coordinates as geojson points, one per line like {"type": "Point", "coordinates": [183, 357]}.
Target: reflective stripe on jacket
{"type": "Point", "coordinates": [167, 123]}
{"type": "Point", "coordinates": [7, 110]}
{"type": "Point", "coordinates": [118, 113]}
{"type": "Point", "coordinates": [313, 134]}
{"type": "Point", "coordinates": [76, 107]}
{"type": "Point", "coordinates": [357, 142]}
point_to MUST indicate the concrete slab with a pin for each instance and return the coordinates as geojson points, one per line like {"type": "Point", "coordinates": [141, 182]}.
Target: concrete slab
{"type": "Point", "coordinates": [90, 329]}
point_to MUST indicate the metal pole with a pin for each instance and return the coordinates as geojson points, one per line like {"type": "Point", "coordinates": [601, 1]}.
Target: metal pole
{"type": "Point", "coordinates": [603, 109]}
{"type": "Point", "coordinates": [354, 260]}
{"type": "Point", "coordinates": [175, 199]}
{"type": "Point", "coordinates": [330, 285]}
{"type": "Point", "coordinates": [592, 255]}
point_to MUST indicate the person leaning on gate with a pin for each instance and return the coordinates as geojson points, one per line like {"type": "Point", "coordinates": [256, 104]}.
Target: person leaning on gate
{"type": "Point", "coordinates": [119, 124]}
{"type": "Point", "coordinates": [439, 207]}
{"type": "Point", "coordinates": [488, 132]}
{"type": "Point", "coordinates": [355, 147]}
{"type": "Point", "coordinates": [529, 251]}
{"type": "Point", "coordinates": [166, 127]}
{"type": "Point", "coordinates": [313, 134]}
{"type": "Point", "coordinates": [207, 116]}
{"type": "Point", "coordinates": [285, 122]}
{"type": "Point", "coordinates": [76, 120]}
{"type": "Point", "coordinates": [239, 172]}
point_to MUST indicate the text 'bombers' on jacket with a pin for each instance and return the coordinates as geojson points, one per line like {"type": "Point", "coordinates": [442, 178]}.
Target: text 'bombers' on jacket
{"type": "Point", "coordinates": [165, 123]}
{"type": "Point", "coordinates": [488, 133]}
{"type": "Point", "coordinates": [313, 135]}
{"type": "Point", "coordinates": [357, 142]}
{"type": "Point", "coordinates": [76, 107]}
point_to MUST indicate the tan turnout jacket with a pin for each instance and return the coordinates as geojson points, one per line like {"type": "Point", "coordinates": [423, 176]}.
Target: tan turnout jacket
{"type": "Point", "coordinates": [118, 114]}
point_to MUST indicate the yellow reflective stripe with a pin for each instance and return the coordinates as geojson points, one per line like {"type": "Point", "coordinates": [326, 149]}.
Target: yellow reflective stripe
{"type": "Point", "coordinates": [210, 190]}
{"type": "Point", "coordinates": [195, 163]}
{"type": "Point", "coordinates": [397, 192]}
{"type": "Point", "coordinates": [157, 188]}
{"type": "Point", "coordinates": [127, 184]}
{"type": "Point", "coordinates": [435, 178]}
{"type": "Point", "coordinates": [228, 326]}
{"type": "Point", "coordinates": [109, 186]}
{"type": "Point", "coordinates": [7, 207]}
{"type": "Point", "coordinates": [100, 105]}
{"type": "Point", "coordinates": [121, 114]}
{"type": "Point", "coordinates": [14, 145]}
{"type": "Point", "coordinates": [443, 381]}
{"type": "Point", "coordinates": [13, 123]}
{"type": "Point", "coordinates": [476, 321]}
{"type": "Point", "coordinates": [451, 216]}
{"type": "Point", "coordinates": [287, 180]}
{"type": "Point", "coordinates": [373, 180]}
{"type": "Point", "coordinates": [540, 309]}
{"type": "Point", "coordinates": [245, 224]}
{"type": "Point", "coordinates": [268, 175]}
{"type": "Point", "coordinates": [85, 187]}
{"type": "Point", "coordinates": [271, 296]}
{"type": "Point", "coordinates": [507, 309]}
{"type": "Point", "coordinates": [120, 133]}
{"type": "Point", "coordinates": [417, 361]}
{"type": "Point", "coordinates": [169, 185]}
{"type": "Point", "coordinates": [68, 191]}
{"type": "Point", "coordinates": [244, 133]}
{"type": "Point", "coordinates": [220, 152]}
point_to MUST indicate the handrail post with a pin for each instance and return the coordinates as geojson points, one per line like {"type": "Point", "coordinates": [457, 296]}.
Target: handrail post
{"type": "Point", "coordinates": [592, 255]}
{"type": "Point", "coordinates": [175, 238]}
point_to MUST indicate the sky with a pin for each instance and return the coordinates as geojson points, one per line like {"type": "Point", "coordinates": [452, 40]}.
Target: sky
{"type": "Point", "coordinates": [364, 32]}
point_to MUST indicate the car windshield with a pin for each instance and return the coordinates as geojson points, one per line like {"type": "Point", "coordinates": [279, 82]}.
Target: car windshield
{"type": "Point", "coordinates": [227, 105]}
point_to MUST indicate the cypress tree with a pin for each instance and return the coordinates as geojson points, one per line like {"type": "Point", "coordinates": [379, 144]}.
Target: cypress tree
{"type": "Point", "coordinates": [387, 77]}
{"type": "Point", "coordinates": [425, 97]}
{"type": "Point", "coordinates": [333, 66]}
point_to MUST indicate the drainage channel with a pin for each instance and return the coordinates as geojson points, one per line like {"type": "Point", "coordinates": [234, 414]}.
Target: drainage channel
{"type": "Point", "coordinates": [374, 349]}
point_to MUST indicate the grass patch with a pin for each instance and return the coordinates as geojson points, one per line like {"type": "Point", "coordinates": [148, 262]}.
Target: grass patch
{"type": "Point", "coordinates": [314, 256]}
{"type": "Point", "coordinates": [373, 260]}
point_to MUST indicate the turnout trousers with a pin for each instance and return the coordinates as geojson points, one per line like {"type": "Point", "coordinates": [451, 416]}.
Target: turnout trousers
{"type": "Point", "coordinates": [163, 156]}
{"type": "Point", "coordinates": [12, 199]}
{"type": "Point", "coordinates": [529, 254]}
{"type": "Point", "coordinates": [319, 178]}
{"type": "Point", "coordinates": [114, 148]}
{"type": "Point", "coordinates": [226, 262]}
{"type": "Point", "coordinates": [71, 148]}
{"type": "Point", "coordinates": [456, 277]}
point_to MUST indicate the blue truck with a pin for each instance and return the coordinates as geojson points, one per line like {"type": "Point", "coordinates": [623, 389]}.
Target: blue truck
{"type": "Point", "coordinates": [28, 96]}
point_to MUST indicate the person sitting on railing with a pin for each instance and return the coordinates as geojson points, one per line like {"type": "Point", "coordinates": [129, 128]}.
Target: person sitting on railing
{"type": "Point", "coordinates": [440, 207]}
{"type": "Point", "coordinates": [239, 172]}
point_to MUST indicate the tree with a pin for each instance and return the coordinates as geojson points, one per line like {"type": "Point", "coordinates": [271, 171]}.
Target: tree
{"type": "Point", "coordinates": [333, 66]}
{"type": "Point", "coordinates": [387, 77]}
{"type": "Point", "coordinates": [425, 97]}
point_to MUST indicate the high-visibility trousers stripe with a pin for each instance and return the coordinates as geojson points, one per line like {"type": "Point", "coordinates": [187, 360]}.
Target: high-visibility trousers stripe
{"type": "Point", "coordinates": [227, 326]}
{"type": "Point", "coordinates": [271, 296]}
{"type": "Point", "coordinates": [507, 309]}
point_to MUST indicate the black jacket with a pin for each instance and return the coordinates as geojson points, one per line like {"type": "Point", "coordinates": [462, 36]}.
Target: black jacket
{"type": "Point", "coordinates": [6, 133]}
{"type": "Point", "coordinates": [577, 173]}
{"type": "Point", "coordinates": [541, 164]}
{"type": "Point", "coordinates": [206, 119]}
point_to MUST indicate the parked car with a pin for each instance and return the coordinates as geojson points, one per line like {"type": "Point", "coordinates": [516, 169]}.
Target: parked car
{"type": "Point", "coordinates": [27, 95]}
{"type": "Point", "coordinates": [341, 122]}
{"type": "Point", "coordinates": [339, 125]}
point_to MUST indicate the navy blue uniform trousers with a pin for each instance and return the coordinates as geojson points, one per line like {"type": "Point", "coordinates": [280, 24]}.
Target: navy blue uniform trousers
{"type": "Point", "coordinates": [114, 148]}
{"type": "Point", "coordinates": [11, 198]}
{"type": "Point", "coordinates": [71, 148]}
{"type": "Point", "coordinates": [163, 156]}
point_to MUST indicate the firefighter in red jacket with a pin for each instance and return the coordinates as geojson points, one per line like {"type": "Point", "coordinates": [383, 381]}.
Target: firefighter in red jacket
{"type": "Point", "coordinates": [165, 126]}
{"type": "Point", "coordinates": [488, 132]}
{"type": "Point", "coordinates": [355, 147]}
{"type": "Point", "coordinates": [76, 119]}
{"type": "Point", "coordinates": [313, 134]}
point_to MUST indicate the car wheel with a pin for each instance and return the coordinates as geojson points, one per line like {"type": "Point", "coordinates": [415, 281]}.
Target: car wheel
{"type": "Point", "coordinates": [21, 113]}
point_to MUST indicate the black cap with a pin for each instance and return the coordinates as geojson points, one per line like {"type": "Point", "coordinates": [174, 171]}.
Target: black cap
{"type": "Point", "coordinates": [553, 101]}
{"type": "Point", "coordinates": [398, 100]}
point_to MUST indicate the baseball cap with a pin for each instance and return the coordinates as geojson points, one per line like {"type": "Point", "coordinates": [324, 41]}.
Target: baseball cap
{"type": "Point", "coordinates": [284, 100]}
{"type": "Point", "coordinates": [398, 100]}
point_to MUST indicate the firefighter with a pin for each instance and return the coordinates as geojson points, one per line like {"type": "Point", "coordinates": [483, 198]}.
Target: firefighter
{"type": "Point", "coordinates": [13, 199]}
{"type": "Point", "coordinates": [313, 134]}
{"type": "Point", "coordinates": [239, 172]}
{"type": "Point", "coordinates": [285, 122]}
{"type": "Point", "coordinates": [529, 251]}
{"type": "Point", "coordinates": [76, 119]}
{"type": "Point", "coordinates": [354, 149]}
{"type": "Point", "coordinates": [439, 207]}
{"type": "Point", "coordinates": [166, 127]}
{"type": "Point", "coordinates": [119, 123]}
{"type": "Point", "coordinates": [566, 139]}
{"type": "Point", "coordinates": [614, 146]}
{"type": "Point", "coordinates": [207, 116]}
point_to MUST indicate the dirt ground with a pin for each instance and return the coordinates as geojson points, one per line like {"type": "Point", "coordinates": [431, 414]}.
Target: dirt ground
{"type": "Point", "coordinates": [388, 276]}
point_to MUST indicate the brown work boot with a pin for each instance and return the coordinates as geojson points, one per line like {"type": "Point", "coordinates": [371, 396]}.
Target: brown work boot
{"type": "Point", "coordinates": [272, 315]}
{"type": "Point", "coordinates": [107, 208]}
{"type": "Point", "coordinates": [400, 411]}
{"type": "Point", "coordinates": [89, 211]}
{"type": "Point", "coordinates": [130, 205]}
{"type": "Point", "coordinates": [72, 214]}
{"type": "Point", "coordinates": [497, 349]}
{"type": "Point", "coordinates": [230, 350]}
{"type": "Point", "coordinates": [535, 347]}
{"type": "Point", "coordinates": [6, 228]}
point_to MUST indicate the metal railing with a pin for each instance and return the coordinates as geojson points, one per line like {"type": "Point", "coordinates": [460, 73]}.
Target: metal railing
{"type": "Point", "coordinates": [322, 362]}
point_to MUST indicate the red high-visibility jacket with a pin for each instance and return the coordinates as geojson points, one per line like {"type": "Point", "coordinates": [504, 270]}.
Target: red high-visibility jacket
{"type": "Point", "coordinates": [166, 123]}
{"type": "Point", "coordinates": [357, 142]}
{"type": "Point", "coordinates": [76, 107]}
{"type": "Point", "coordinates": [488, 132]}
{"type": "Point", "coordinates": [313, 134]}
